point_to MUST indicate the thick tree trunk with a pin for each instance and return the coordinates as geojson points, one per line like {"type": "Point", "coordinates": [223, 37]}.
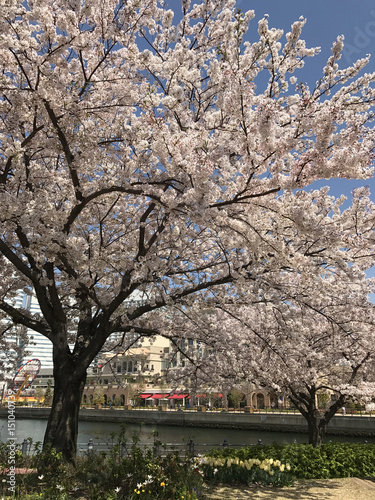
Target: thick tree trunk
{"type": "Point", "coordinates": [62, 427]}
{"type": "Point", "coordinates": [316, 430]}
{"type": "Point", "coordinates": [317, 423]}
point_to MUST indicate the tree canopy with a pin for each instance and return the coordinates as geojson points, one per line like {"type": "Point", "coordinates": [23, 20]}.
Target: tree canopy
{"type": "Point", "coordinates": [139, 154]}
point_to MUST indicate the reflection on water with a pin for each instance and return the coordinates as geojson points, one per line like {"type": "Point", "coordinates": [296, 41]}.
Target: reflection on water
{"type": "Point", "coordinates": [101, 432]}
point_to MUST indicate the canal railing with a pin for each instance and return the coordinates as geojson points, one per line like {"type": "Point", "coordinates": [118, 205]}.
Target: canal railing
{"type": "Point", "coordinates": [266, 410]}
{"type": "Point", "coordinates": [273, 410]}
{"type": "Point", "coordinates": [186, 449]}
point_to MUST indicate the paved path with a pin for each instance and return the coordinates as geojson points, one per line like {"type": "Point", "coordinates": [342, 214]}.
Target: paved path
{"type": "Point", "coordinates": [328, 489]}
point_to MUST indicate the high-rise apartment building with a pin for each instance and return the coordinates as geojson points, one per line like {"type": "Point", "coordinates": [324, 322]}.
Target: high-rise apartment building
{"type": "Point", "coordinates": [38, 346]}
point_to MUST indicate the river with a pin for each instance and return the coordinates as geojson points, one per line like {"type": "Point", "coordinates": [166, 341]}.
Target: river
{"type": "Point", "coordinates": [100, 433]}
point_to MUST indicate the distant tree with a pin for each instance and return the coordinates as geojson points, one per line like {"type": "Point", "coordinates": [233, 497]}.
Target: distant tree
{"type": "Point", "coordinates": [117, 401]}
{"type": "Point", "coordinates": [40, 394]}
{"type": "Point", "coordinates": [235, 397]}
{"type": "Point", "coordinates": [323, 399]}
{"type": "Point", "coordinates": [48, 395]}
{"type": "Point", "coordinates": [98, 396]}
{"type": "Point", "coordinates": [173, 171]}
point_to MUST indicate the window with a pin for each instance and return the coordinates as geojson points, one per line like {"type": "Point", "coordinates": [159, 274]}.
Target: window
{"type": "Point", "coordinates": [118, 368]}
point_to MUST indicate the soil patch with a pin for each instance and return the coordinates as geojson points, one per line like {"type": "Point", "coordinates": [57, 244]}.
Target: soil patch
{"type": "Point", "coordinates": [328, 489]}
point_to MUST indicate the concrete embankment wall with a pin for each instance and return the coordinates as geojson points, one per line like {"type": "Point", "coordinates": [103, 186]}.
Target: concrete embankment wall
{"type": "Point", "coordinates": [353, 425]}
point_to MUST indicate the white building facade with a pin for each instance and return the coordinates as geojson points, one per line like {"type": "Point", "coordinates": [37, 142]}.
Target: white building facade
{"type": "Point", "coordinates": [38, 346]}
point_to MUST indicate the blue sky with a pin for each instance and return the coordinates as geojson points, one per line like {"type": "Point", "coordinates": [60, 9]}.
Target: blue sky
{"type": "Point", "coordinates": [326, 19]}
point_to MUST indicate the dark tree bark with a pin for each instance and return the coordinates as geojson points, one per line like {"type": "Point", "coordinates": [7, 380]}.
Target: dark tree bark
{"type": "Point", "coordinates": [317, 422]}
{"type": "Point", "coordinates": [62, 426]}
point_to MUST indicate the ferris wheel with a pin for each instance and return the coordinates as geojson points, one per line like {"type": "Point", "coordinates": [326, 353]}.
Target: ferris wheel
{"type": "Point", "coordinates": [25, 375]}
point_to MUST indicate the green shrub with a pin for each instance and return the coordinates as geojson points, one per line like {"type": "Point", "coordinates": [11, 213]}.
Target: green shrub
{"type": "Point", "coordinates": [126, 472]}
{"type": "Point", "coordinates": [331, 460]}
{"type": "Point", "coordinates": [129, 472]}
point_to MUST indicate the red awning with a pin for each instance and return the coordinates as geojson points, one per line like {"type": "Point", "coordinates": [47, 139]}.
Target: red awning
{"type": "Point", "coordinates": [204, 395]}
{"type": "Point", "coordinates": [178, 396]}
{"type": "Point", "coordinates": [158, 396]}
{"type": "Point", "coordinates": [145, 396]}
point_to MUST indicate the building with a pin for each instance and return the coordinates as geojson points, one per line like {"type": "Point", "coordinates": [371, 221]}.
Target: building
{"type": "Point", "coordinates": [121, 377]}
{"type": "Point", "coordinates": [134, 376]}
{"type": "Point", "coordinates": [38, 346]}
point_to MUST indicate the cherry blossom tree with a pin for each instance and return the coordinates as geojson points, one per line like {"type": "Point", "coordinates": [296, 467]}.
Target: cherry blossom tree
{"type": "Point", "coordinates": [291, 349]}
{"type": "Point", "coordinates": [301, 332]}
{"type": "Point", "coordinates": [142, 155]}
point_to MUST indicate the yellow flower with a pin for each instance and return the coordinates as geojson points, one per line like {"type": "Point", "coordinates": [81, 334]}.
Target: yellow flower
{"type": "Point", "coordinates": [162, 483]}
{"type": "Point", "coordinates": [287, 467]}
